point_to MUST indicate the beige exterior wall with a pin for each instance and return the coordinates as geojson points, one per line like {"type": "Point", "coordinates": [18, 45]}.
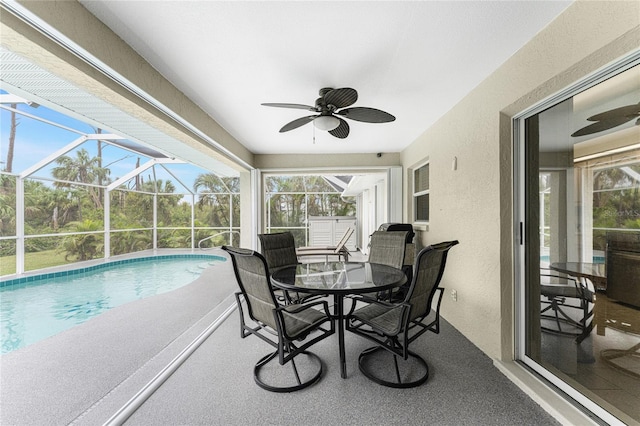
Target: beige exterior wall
{"type": "Point", "coordinates": [474, 203]}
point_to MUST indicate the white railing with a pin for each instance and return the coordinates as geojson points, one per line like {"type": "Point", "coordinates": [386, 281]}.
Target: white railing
{"type": "Point", "coordinates": [215, 235]}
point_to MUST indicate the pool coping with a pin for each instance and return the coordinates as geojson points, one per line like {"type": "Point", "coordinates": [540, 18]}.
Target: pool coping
{"type": "Point", "coordinates": [75, 269]}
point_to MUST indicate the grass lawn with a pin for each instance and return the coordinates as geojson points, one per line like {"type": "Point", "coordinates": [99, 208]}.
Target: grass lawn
{"type": "Point", "coordinates": [39, 260]}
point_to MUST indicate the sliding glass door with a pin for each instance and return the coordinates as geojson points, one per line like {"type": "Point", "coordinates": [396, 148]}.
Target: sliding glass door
{"type": "Point", "coordinates": [578, 172]}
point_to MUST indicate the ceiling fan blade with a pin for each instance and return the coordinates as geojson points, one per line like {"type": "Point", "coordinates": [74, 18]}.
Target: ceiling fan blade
{"type": "Point", "coordinates": [295, 106]}
{"type": "Point", "coordinates": [341, 98]}
{"type": "Point", "coordinates": [297, 123]}
{"type": "Point", "coordinates": [367, 115]}
{"type": "Point", "coordinates": [625, 111]}
{"type": "Point", "coordinates": [601, 126]}
{"type": "Point", "coordinates": [342, 131]}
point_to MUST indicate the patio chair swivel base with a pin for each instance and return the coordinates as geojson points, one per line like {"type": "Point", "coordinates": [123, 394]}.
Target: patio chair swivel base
{"type": "Point", "coordinates": [274, 377]}
{"type": "Point", "coordinates": [408, 373]}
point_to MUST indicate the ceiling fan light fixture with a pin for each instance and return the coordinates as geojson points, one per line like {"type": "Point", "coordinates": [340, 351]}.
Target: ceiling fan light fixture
{"type": "Point", "coordinates": [326, 122]}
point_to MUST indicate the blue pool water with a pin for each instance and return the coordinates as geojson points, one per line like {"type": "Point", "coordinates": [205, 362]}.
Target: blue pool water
{"type": "Point", "coordinates": [596, 259]}
{"type": "Point", "coordinates": [34, 308]}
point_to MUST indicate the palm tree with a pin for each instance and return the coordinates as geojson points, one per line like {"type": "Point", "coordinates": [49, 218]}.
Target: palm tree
{"type": "Point", "coordinates": [84, 169]}
{"type": "Point", "coordinates": [7, 205]}
{"type": "Point", "coordinates": [288, 201]}
{"type": "Point", "coordinates": [215, 192]}
{"type": "Point", "coordinates": [165, 203]}
{"type": "Point", "coordinates": [62, 205]}
{"type": "Point", "coordinates": [12, 138]}
{"type": "Point", "coordinates": [83, 246]}
{"type": "Point", "coordinates": [128, 242]}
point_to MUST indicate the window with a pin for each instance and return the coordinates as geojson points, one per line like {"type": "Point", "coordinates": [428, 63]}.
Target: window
{"type": "Point", "coordinates": [615, 196]}
{"type": "Point", "coordinates": [421, 193]}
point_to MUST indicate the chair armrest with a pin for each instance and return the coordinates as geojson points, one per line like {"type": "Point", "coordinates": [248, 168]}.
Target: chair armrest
{"type": "Point", "coordinates": [382, 320]}
{"type": "Point", "coordinates": [296, 308]}
{"type": "Point", "coordinates": [373, 301]}
{"type": "Point", "coordinates": [355, 299]}
{"type": "Point", "coordinates": [368, 299]}
{"type": "Point", "coordinates": [358, 298]}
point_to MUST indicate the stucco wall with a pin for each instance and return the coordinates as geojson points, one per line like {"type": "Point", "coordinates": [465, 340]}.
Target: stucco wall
{"type": "Point", "coordinates": [474, 203]}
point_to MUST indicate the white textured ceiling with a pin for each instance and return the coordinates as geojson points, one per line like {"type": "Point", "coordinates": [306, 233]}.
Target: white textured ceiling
{"type": "Point", "coordinates": [413, 59]}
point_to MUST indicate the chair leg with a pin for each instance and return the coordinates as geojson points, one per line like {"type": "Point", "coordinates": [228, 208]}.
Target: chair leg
{"type": "Point", "coordinates": [553, 305]}
{"type": "Point", "coordinates": [586, 328]}
{"type": "Point", "coordinates": [280, 376]}
{"type": "Point", "coordinates": [560, 317]}
{"type": "Point", "coordinates": [395, 362]}
{"type": "Point", "coordinates": [295, 371]}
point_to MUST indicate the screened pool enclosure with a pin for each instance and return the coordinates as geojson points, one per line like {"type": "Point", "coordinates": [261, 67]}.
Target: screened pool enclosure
{"type": "Point", "coordinates": [71, 192]}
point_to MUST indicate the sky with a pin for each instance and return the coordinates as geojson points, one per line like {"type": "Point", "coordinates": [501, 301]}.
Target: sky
{"type": "Point", "coordinates": [35, 140]}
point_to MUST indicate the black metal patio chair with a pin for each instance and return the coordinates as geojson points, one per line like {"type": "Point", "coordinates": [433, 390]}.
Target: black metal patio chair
{"type": "Point", "coordinates": [290, 329]}
{"type": "Point", "coordinates": [388, 248]}
{"type": "Point", "coordinates": [567, 305]}
{"type": "Point", "coordinates": [279, 250]}
{"type": "Point", "coordinates": [394, 326]}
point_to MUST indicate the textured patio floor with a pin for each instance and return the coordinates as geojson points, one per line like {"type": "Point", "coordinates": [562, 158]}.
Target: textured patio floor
{"type": "Point", "coordinates": [85, 375]}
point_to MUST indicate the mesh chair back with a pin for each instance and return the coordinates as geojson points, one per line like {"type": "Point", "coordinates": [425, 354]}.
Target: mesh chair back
{"type": "Point", "coordinates": [429, 269]}
{"type": "Point", "coordinates": [387, 248]}
{"type": "Point", "coordinates": [252, 274]}
{"type": "Point", "coordinates": [279, 249]}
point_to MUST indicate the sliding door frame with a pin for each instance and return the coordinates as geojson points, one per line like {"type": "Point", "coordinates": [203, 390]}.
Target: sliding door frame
{"type": "Point", "coordinates": [522, 161]}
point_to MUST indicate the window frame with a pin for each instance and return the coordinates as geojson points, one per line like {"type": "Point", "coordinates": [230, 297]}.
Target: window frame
{"type": "Point", "coordinates": [415, 194]}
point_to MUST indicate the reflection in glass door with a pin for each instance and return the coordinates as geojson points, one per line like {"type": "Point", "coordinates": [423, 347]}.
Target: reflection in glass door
{"type": "Point", "coordinates": [580, 167]}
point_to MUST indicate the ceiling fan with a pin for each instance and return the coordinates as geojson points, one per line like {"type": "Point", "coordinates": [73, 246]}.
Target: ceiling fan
{"type": "Point", "coordinates": [610, 119]}
{"type": "Point", "coordinates": [330, 103]}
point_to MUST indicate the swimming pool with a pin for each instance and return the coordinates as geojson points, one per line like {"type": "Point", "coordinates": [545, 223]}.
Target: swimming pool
{"type": "Point", "coordinates": [37, 307]}
{"type": "Point", "coordinates": [596, 259]}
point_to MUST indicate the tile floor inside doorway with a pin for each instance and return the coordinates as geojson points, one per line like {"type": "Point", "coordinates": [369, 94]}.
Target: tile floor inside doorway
{"type": "Point", "coordinates": [606, 365]}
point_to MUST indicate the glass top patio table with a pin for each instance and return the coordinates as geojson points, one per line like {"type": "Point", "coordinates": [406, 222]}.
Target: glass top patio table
{"type": "Point", "coordinates": [338, 279]}
{"type": "Point", "coordinates": [594, 272]}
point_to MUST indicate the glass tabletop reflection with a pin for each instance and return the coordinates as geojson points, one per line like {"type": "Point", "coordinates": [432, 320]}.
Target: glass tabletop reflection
{"type": "Point", "coordinates": [338, 277]}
